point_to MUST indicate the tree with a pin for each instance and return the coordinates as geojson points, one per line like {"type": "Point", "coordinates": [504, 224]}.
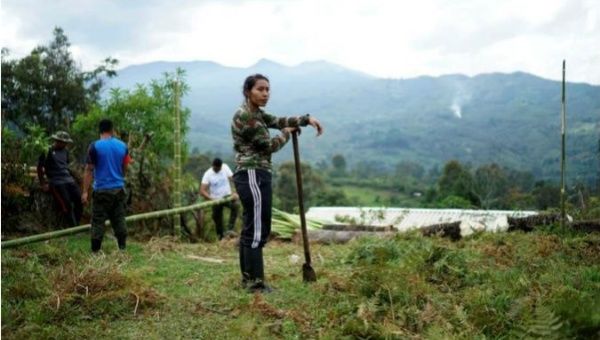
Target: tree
{"type": "Point", "coordinates": [197, 164]}
{"type": "Point", "coordinates": [331, 197]}
{"type": "Point", "coordinates": [433, 175]}
{"type": "Point", "coordinates": [454, 202]}
{"type": "Point", "coordinates": [48, 88]}
{"type": "Point", "coordinates": [146, 110]}
{"type": "Point", "coordinates": [598, 174]}
{"type": "Point", "coordinates": [322, 165]}
{"type": "Point", "coordinates": [369, 169]}
{"type": "Point", "coordinates": [285, 185]}
{"type": "Point", "coordinates": [547, 195]}
{"type": "Point", "coordinates": [522, 180]}
{"type": "Point", "coordinates": [456, 181]}
{"type": "Point", "coordinates": [339, 165]}
{"type": "Point", "coordinates": [516, 199]}
{"type": "Point", "coordinates": [409, 169]}
{"type": "Point", "coordinates": [489, 185]}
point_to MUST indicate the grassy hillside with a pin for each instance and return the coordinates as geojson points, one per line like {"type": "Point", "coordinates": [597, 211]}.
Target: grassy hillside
{"type": "Point", "coordinates": [507, 285]}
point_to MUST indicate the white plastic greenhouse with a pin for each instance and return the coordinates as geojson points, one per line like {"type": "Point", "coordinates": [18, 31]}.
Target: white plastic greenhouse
{"type": "Point", "coordinates": [404, 219]}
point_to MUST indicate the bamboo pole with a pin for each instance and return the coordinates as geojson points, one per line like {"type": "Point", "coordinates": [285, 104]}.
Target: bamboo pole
{"type": "Point", "coordinates": [563, 129]}
{"type": "Point", "coordinates": [177, 161]}
{"type": "Point", "coordinates": [598, 175]}
{"type": "Point", "coordinates": [133, 218]}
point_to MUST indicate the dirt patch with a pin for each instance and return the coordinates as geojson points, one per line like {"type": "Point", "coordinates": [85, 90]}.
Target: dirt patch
{"type": "Point", "coordinates": [261, 306]}
{"type": "Point", "coordinates": [503, 254]}
{"type": "Point", "coordinates": [159, 245]}
{"type": "Point", "coordinates": [591, 250]}
{"type": "Point", "coordinates": [204, 308]}
{"type": "Point", "coordinates": [336, 283]}
{"type": "Point", "coordinates": [547, 245]}
{"type": "Point", "coordinates": [22, 253]}
{"type": "Point", "coordinates": [230, 242]}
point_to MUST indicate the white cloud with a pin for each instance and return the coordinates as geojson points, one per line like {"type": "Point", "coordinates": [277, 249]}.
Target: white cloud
{"type": "Point", "coordinates": [383, 37]}
{"type": "Point", "coordinates": [11, 26]}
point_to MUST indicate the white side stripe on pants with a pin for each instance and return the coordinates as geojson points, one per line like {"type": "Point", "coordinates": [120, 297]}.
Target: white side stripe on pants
{"type": "Point", "coordinates": [255, 189]}
{"type": "Point", "coordinates": [255, 200]}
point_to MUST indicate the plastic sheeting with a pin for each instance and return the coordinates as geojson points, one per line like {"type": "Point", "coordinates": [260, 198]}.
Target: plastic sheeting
{"type": "Point", "coordinates": [404, 219]}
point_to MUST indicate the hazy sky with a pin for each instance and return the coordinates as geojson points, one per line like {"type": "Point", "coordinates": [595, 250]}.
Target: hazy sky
{"type": "Point", "coordinates": [397, 39]}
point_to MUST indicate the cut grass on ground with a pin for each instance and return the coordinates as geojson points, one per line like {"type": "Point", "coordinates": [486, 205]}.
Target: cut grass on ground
{"type": "Point", "coordinates": [543, 284]}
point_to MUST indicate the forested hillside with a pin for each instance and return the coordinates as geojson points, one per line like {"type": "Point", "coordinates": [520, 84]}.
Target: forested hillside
{"type": "Point", "coordinates": [510, 119]}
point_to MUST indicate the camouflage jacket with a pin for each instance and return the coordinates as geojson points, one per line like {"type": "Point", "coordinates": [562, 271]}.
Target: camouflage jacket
{"type": "Point", "coordinates": [251, 139]}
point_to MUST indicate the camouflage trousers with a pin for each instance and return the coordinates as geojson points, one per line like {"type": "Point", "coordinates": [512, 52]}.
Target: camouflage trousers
{"type": "Point", "coordinates": [109, 205]}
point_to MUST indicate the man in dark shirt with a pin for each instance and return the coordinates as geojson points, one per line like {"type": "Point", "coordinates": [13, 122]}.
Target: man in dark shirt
{"type": "Point", "coordinates": [55, 177]}
{"type": "Point", "coordinates": [107, 162]}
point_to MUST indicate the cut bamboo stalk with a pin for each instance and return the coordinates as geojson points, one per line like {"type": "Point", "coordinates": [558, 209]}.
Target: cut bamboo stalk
{"type": "Point", "coordinates": [177, 160]}
{"type": "Point", "coordinates": [83, 228]}
{"type": "Point", "coordinates": [563, 133]}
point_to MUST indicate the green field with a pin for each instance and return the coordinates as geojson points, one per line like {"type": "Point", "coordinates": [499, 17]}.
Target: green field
{"type": "Point", "coordinates": [507, 285]}
{"type": "Point", "coordinates": [364, 196]}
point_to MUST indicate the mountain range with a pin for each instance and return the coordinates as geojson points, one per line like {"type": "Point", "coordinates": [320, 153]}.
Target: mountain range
{"type": "Point", "coordinates": [511, 119]}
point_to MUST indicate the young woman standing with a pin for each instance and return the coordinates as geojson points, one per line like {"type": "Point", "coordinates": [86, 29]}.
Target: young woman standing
{"type": "Point", "coordinates": [253, 145]}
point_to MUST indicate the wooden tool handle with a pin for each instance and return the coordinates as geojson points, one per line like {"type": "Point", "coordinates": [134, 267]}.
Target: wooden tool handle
{"type": "Point", "coordinates": [300, 197]}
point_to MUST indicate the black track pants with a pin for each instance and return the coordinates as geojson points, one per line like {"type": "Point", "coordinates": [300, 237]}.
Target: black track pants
{"type": "Point", "coordinates": [254, 188]}
{"type": "Point", "coordinates": [217, 215]}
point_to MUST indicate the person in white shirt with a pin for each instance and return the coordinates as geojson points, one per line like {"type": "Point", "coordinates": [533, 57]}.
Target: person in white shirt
{"type": "Point", "coordinates": [217, 183]}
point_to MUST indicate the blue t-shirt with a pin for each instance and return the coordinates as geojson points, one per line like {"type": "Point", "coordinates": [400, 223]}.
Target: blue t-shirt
{"type": "Point", "coordinates": [108, 157]}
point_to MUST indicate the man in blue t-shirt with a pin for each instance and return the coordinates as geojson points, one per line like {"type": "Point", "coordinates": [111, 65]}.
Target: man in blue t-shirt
{"type": "Point", "coordinates": [107, 162]}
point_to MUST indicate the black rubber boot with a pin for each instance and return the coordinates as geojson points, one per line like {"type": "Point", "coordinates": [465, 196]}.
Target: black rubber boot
{"type": "Point", "coordinates": [257, 271]}
{"type": "Point", "coordinates": [246, 275]}
{"type": "Point", "coordinates": [122, 243]}
{"type": "Point", "coordinates": [96, 245]}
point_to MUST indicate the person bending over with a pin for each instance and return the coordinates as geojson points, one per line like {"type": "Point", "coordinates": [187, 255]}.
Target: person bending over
{"type": "Point", "coordinates": [216, 183]}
